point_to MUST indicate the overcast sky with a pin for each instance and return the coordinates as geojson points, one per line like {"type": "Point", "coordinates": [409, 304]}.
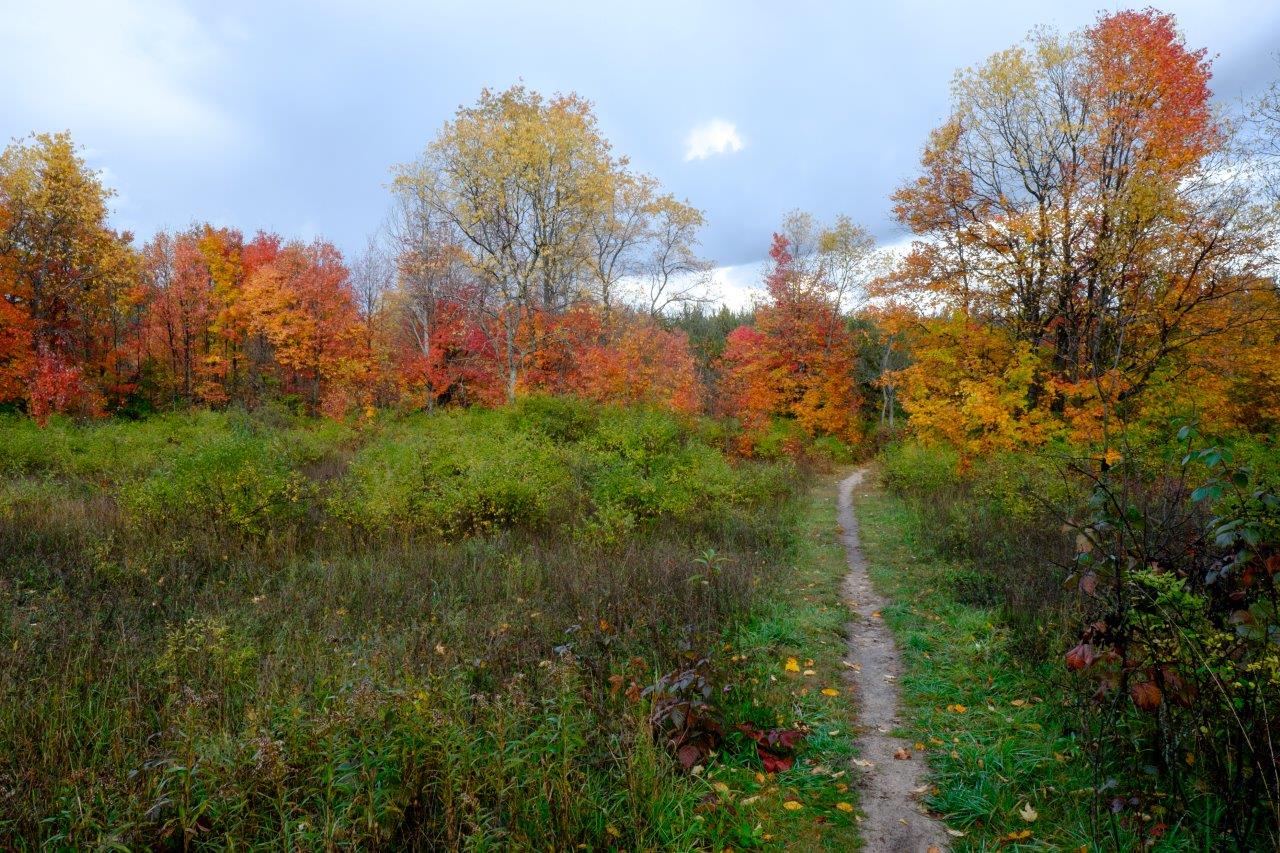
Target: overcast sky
{"type": "Point", "coordinates": [288, 116]}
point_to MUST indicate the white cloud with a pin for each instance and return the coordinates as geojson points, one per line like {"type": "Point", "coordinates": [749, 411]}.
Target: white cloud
{"type": "Point", "coordinates": [134, 68]}
{"type": "Point", "coordinates": [740, 285]}
{"type": "Point", "coordinates": [710, 138]}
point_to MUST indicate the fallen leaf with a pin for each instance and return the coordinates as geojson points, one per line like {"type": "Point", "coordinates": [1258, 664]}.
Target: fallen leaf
{"type": "Point", "coordinates": [792, 806]}
{"type": "Point", "coordinates": [830, 691]}
{"type": "Point", "coordinates": [955, 833]}
{"type": "Point", "coordinates": [1018, 703]}
{"type": "Point", "coordinates": [902, 754]}
{"type": "Point", "coordinates": [919, 746]}
{"type": "Point", "coordinates": [793, 665]}
{"type": "Point", "coordinates": [1028, 813]}
{"type": "Point", "coordinates": [810, 672]}
{"type": "Point", "coordinates": [1018, 836]}
{"type": "Point", "coordinates": [845, 807]}
{"type": "Point", "coordinates": [957, 709]}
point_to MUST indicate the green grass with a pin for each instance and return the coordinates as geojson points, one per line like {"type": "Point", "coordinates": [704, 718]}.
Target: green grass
{"type": "Point", "coordinates": [260, 631]}
{"type": "Point", "coordinates": [1014, 742]}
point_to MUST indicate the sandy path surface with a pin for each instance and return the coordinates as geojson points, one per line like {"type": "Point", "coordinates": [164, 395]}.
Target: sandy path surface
{"type": "Point", "coordinates": [890, 786]}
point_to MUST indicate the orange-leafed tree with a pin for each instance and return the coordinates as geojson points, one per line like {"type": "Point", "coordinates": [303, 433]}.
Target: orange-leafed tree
{"type": "Point", "coordinates": [180, 316]}
{"type": "Point", "coordinates": [1081, 203]}
{"type": "Point", "coordinates": [799, 359]}
{"type": "Point", "coordinates": [642, 363]}
{"type": "Point", "coordinates": [69, 281]}
{"type": "Point", "coordinates": [302, 305]}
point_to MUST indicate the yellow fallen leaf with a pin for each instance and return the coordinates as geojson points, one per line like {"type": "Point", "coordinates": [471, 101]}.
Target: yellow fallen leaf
{"type": "Point", "coordinates": [1028, 813]}
{"type": "Point", "coordinates": [957, 709]}
{"type": "Point", "coordinates": [1018, 835]}
{"type": "Point", "coordinates": [1018, 703]}
{"type": "Point", "coordinates": [792, 665]}
{"type": "Point", "coordinates": [792, 806]}
{"type": "Point", "coordinates": [919, 746]}
{"type": "Point", "coordinates": [830, 691]}
{"type": "Point", "coordinates": [810, 672]}
{"type": "Point", "coordinates": [845, 807]}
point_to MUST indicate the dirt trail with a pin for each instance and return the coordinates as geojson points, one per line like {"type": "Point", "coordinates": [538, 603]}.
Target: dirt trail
{"type": "Point", "coordinates": [894, 818]}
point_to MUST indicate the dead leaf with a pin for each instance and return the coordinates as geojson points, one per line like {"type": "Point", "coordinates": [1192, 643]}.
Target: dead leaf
{"type": "Point", "coordinates": [1028, 813]}
{"type": "Point", "coordinates": [902, 754]}
{"type": "Point", "coordinates": [793, 665]}
{"type": "Point", "coordinates": [830, 691]}
{"type": "Point", "coordinates": [792, 806]}
{"type": "Point", "coordinates": [845, 807]}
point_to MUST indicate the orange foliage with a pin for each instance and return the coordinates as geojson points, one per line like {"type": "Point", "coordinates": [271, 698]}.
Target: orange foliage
{"type": "Point", "coordinates": [643, 364]}
{"type": "Point", "coordinates": [797, 361]}
{"type": "Point", "coordinates": [301, 303]}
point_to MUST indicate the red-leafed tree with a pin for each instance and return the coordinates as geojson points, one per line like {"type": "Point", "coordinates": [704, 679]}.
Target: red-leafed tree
{"type": "Point", "coordinates": [799, 359]}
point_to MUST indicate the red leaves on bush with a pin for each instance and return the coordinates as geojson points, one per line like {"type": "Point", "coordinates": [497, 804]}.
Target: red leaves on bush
{"type": "Point", "coordinates": [1080, 657]}
{"type": "Point", "coordinates": [774, 746]}
{"type": "Point", "coordinates": [1145, 694]}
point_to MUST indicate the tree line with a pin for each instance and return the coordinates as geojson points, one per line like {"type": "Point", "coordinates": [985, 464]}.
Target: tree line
{"type": "Point", "coordinates": [1093, 240]}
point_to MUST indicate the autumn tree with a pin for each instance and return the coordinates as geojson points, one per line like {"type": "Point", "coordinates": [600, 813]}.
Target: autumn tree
{"type": "Point", "coordinates": [69, 280]}
{"type": "Point", "coordinates": [798, 360]}
{"type": "Point", "coordinates": [302, 305]}
{"type": "Point", "coordinates": [526, 194]}
{"type": "Point", "coordinates": [1079, 204]}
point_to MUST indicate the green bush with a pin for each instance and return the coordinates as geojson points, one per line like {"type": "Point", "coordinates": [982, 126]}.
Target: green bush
{"type": "Point", "coordinates": [236, 483]}
{"type": "Point", "coordinates": [453, 474]}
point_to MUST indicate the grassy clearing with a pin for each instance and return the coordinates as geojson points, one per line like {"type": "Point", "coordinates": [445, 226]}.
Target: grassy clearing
{"type": "Point", "coordinates": [999, 737]}
{"type": "Point", "coordinates": [444, 632]}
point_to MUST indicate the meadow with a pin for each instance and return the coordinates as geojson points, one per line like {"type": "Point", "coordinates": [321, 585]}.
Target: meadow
{"type": "Point", "coordinates": [488, 628]}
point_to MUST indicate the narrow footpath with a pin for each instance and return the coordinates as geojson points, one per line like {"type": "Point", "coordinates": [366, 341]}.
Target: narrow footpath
{"type": "Point", "coordinates": [891, 786]}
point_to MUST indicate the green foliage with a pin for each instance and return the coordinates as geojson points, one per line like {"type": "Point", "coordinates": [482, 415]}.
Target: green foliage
{"type": "Point", "coordinates": [1158, 565]}
{"type": "Point", "coordinates": [238, 483]}
{"type": "Point", "coordinates": [454, 474]}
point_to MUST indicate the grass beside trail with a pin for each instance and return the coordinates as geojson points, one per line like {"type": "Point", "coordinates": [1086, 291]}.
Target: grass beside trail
{"type": "Point", "coordinates": [1006, 770]}
{"type": "Point", "coordinates": [802, 619]}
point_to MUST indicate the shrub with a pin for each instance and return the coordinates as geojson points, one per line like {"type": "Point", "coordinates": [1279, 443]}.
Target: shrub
{"type": "Point", "coordinates": [239, 484]}
{"type": "Point", "coordinates": [453, 474]}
